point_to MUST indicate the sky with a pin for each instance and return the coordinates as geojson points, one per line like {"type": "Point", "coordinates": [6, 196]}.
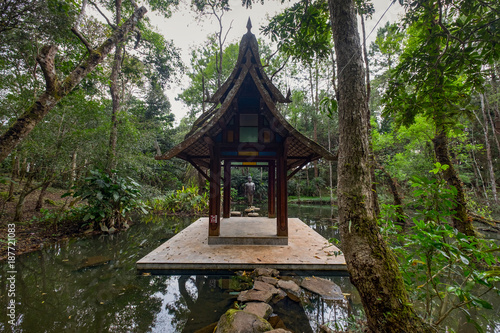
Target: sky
{"type": "Point", "coordinates": [188, 30]}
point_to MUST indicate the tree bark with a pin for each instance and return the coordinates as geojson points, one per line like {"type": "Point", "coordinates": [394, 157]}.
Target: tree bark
{"type": "Point", "coordinates": [477, 174]}
{"type": "Point", "coordinates": [488, 149]}
{"type": "Point", "coordinates": [115, 94]}
{"type": "Point", "coordinates": [376, 205]}
{"type": "Point", "coordinates": [461, 220]}
{"type": "Point", "coordinates": [15, 171]}
{"type": "Point", "coordinates": [372, 266]}
{"type": "Point", "coordinates": [18, 216]}
{"type": "Point", "coordinates": [56, 90]}
{"type": "Point", "coordinates": [41, 196]}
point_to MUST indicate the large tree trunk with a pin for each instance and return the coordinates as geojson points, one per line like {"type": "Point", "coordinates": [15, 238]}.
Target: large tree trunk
{"type": "Point", "coordinates": [115, 94]}
{"type": "Point", "coordinates": [461, 220]}
{"type": "Point", "coordinates": [55, 89]}
{"type": "Point", "coordinates": [372, 266]}
{"type": "Point", "coordinates": [376, 205]}
{"type": "Point", "coordinates": [115, 97]}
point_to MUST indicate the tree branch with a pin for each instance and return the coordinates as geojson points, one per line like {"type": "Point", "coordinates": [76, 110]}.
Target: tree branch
{"type": "Point", "coordinates": [75, 28]}
{"type": "Point", "coordinates": [102, 14]}
{"type": "Point", "coordinates": [55, 91]}
{"type": "Point", "coordinates": [134, 4]}
{"type": "Point", "coordinates": [82, 39]}
{"type": "Point", "coordinates": [279, 69]}
{"type": "Point", "coordinates": [46, 60]}
{"type": "Point", "coordinates": [80, 16]}
{"type": "Point", "coordinates": [138, 38]}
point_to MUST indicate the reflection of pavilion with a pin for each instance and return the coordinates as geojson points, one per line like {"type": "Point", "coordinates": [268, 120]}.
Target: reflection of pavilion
{"type": "Point", "coordinates": [244, 128]}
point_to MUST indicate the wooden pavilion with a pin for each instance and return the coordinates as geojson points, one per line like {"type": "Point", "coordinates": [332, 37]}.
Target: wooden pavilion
{"type": "Point", "coordinates": [245, 128]}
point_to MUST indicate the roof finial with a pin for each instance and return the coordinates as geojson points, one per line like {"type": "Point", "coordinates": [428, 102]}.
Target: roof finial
{"type": "Point", "coordinates": [249, 25]}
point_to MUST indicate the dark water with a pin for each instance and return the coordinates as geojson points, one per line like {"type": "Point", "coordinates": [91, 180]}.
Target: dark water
{"type": "Point", "coordinates": [91, 285]}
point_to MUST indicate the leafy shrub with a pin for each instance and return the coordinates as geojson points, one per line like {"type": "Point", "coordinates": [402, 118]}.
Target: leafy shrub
{"type": "Point", "coordinates": [109, 199]}
{"type": "Point", "coordinates": [186, 200]}
{"type": "Point", "coordinates": [443, 269]}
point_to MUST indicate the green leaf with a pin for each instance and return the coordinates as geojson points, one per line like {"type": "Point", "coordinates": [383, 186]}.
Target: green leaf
{"type": "Point", "coordinates": [484, 304]}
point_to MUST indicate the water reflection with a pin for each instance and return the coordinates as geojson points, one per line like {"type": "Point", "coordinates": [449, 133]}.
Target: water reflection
{"type": "Point", "coordinates": [91, 285]}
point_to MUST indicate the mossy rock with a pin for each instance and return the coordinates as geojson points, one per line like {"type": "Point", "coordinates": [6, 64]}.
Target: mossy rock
{"type": "Point", "coordinates": [50, 202]}
{"type": "Point", "coordinates": [237, 321]}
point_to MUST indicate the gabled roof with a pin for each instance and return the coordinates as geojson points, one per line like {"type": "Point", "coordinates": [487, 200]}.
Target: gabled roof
{"type": "Point", "coordinates": [248, 69]}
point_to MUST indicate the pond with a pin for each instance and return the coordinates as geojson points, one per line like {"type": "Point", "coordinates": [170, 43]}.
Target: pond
{"type": "Point", "coordinates": [91, 285]}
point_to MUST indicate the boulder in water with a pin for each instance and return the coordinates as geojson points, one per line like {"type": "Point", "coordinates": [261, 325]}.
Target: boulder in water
{"type": "Point", "coordinates": [327, 289]}
{"type": "Point", "coordinates": [237, 321]}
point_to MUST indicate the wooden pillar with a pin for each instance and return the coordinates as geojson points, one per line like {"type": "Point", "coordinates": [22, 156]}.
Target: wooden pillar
{"type": "Point", "coordinates": [282, 218]}
{"type": "Point", "coordinates": [271, 190]}
{"type": "Point", "coordinates": [226, 203]}
{"type": "Point", "coordinates": [214, 200]}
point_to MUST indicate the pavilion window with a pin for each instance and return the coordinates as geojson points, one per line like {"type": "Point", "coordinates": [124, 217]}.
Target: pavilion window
{"type": "Point", "coordinates": [249, 128]}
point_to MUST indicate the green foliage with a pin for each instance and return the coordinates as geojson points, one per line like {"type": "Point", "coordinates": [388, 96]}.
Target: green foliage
{"type": "Point", "coordinates": [303, 31]}
{"type": "Point", "coordinates": [204, 62]}
{"type": "Point", "coordinates": [187, 201]}
{"type": "Point", "coordinates": [477, 207]}
{"type": "Point", "coordinates": [441, 65]}
{"type": "Point", "coordinates": [444, 270]}
{"type": "Point", "coordinates": [109, 199]}
{"type": "Point", "coordinates": [434, 200]}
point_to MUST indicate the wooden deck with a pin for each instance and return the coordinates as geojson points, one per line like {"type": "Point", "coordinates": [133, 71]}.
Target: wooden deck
{"type": "Point", "coordinates": [190, 249]}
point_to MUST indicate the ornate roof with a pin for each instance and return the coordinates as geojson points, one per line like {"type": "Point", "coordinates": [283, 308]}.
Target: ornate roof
{"type": "Point", "coordinates": [248, 78]}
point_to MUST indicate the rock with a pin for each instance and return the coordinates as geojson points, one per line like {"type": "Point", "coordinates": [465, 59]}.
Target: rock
{"type": "Point", "coordinates": [259, 285]}
{"type": "Point", "coordinates": [293, 297]}
{"type": "Point", "coordinates": [276, 322]}
{"type": "Point", "coordinates": [255, 295]}
{"type": "Point", "coordinates": [265, 272]}
{"type": "Point", "coordinates": [248, 210]}
{"type": "Point", "coordinates": [237, 321]}
{"type": "Point", "coordinates": [235, 213]}
{"type": "Point", "coordinates": [289, 286]}
{"type": "Point", "coordinates": [256, 209]}
{"type": "Point", "coordinates": [260, 309]}
{"type": "Point", "coordinates": [269, 280]}
{"type": "Point", "coordinates": [279, 296]}
{"type": "Point", "coordinates": [278, 330]}
{"type": "Point", "coordinates": [294, 315]}
{"type": "Point", "coordinates": [50, 202]}
{"type": "Point", "coordinates": [253, 214]}
{"type": "Point", "coordinates": [327, 289]}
